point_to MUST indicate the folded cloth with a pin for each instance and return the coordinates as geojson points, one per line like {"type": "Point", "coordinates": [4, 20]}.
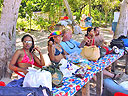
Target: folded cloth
{"type": "Point", "coordinates": [16, 83]}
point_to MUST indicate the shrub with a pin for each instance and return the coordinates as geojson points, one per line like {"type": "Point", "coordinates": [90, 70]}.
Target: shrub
{"type": "Point", "coordinates": [21, 24]}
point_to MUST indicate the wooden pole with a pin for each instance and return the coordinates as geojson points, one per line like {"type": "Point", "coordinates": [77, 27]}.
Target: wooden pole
{"type": "Point", "coordinates": [99, 83]}
{"type": "Point", "coordinates": [69, 10]}
{"type": "Point", "coordinates": [86, 89]}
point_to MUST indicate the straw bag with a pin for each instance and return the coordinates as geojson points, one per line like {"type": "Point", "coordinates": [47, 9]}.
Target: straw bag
{"type": "Point", "coordinates": [90, 53]}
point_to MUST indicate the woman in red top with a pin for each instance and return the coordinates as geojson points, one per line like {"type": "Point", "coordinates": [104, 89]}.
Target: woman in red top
{"type": "Point", "coordinates": [88, 39]}
{"type": "Point", "coordinates": [25, 57]}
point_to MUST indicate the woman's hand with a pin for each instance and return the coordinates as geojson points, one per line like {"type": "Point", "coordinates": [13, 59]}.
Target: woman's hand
{"type": "Point", "coordinates": [25, 72]}
{"type": "Point", "coordinates": [50, 43]}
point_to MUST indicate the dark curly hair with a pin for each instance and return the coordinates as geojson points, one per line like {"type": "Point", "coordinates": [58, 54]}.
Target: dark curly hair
{"type": "Point", "coordinates": [88, 30]}
{"type": "Point", "coordinates": [27, 35]}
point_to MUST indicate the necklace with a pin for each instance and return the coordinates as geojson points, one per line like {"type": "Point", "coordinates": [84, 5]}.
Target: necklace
{"type": "Point", "coordinates": [69, 46]}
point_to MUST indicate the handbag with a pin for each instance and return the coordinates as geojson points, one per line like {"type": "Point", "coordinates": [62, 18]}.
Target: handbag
{"type": "Point", "coordinates": [57, 75]}
{"type": "Point", "coordinates": [90, 53]}
{"type": "Point", "coordinates": [117, 42]}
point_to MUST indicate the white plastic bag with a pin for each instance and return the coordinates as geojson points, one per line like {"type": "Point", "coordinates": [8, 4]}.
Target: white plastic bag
{"type": "Point", "coordinates": [35, 78]}
{"type": "Point", "coordinates": [67, 68]}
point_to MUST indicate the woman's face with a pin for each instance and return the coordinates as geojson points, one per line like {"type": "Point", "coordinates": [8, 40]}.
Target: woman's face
{"type": "Point", "coordinates": [57, 39]}
{"type": "Point", "coordinates": [91, 33]}
{"type": "Point", "coordinates": [97, 31]}
{"type": "Point", "coordinates": [27, 42]}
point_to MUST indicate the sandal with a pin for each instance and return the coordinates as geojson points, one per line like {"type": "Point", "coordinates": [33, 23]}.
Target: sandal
{"type": "Point", "coordinates": [117, 76]}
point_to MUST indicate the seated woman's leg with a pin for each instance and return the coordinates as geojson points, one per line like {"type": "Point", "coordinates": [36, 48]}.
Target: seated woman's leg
{"type": "Point", "coordinates": [112, 87]}
{"type": "Point", "coordinates": [107, 73]}
{"type": "Point", "coordinates": [111, 75]}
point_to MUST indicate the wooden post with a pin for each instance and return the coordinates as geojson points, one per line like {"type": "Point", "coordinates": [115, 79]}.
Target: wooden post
{"type": "Point", "coordinates": [99, 83]}
{"type": "Point", "coordinates": [86, 89]}
{"type": "Point", "coordinates": [126, 66]}
{"type": "Point", "coordinates": [68, 10]}
{"type": "Point", "coordinates": [113, 66]}
{"type": "Point", "coordinates": [89, 7]}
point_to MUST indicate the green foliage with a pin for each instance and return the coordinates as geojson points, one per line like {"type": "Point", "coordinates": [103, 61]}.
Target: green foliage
{"type": "Point", "coordinates": [43, 23]}
{"type": "Point", "coordinates": [26, 30]}
{"type": "Point", "coordinates": [21, 24]}
{"type": "Point", "coordinates": [101, 11]}
{"type": "Point", "coordinates": [53, 7]}
{"type": "Point", "coordinates": [29, 6]}
{"type": "Point", "coordinates": [1, 3]}
{"type": "Point", "coordinates": [78, 15]}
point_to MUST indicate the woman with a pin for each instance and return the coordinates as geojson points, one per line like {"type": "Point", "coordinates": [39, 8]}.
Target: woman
{"type": "Point", "coordinates": [25, 57]}
{"type": "Point", "coordinates": [55, 50]}
{"type": "Point", "coordinates": [89, 38]}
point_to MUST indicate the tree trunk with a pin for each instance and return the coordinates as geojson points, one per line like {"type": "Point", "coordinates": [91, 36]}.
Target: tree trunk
{"type": "Point", "coordinates": [122, 25]}
{"type": "Point", "coordinates": [100, 19]}
{"type": "Point", "coordinates": [90, 7]}
{"type": "Point", "coordinates": [69, 10]}
{"type": "Point", "coordinates": [30, 23]}
{"type": "Point", "coordinates": [8, 22]}
{"type": "Point", "coordinates": [106, 15]}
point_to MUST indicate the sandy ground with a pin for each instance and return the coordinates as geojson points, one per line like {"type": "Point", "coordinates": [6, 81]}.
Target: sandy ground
{"type": "Point", "coordinates": [41, 39]}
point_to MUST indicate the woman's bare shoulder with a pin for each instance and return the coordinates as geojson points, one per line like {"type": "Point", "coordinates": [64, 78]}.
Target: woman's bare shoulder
{"type": "Point", "coordinates": [19, 51]}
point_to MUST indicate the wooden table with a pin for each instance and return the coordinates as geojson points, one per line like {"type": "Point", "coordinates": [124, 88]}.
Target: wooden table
{"type": "Point", "coordinates": [73, 84]}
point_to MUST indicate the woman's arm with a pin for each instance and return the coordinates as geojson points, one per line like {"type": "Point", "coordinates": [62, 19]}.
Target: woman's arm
{"type": "Point", "coordinates": [37, 60]}
{"type": "Point", "coordinates": [12, 65]}
{"type": "Point", "coordinates": [51, 51]}
{"type": "Point", "coordinates": [86, 41]}
{"type": "Point", "coordinates": [89, 42]}
{"type": "Point", "coordinates": [82, 44]}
